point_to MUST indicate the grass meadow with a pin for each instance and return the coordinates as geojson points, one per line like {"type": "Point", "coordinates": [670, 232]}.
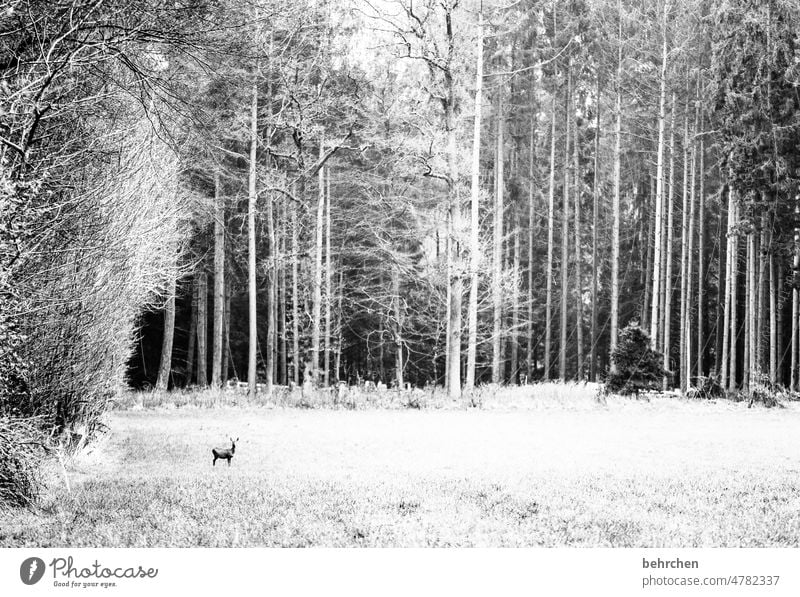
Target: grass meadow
{"type": "Point", "coordinates": [535, 466]}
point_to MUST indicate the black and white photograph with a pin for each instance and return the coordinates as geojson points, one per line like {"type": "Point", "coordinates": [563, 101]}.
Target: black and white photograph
{"type": "Point", "coordinates": [399, 274]}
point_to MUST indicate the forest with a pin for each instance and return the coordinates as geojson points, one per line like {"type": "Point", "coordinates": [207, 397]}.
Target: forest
{"type": "Point", "coordinates": [428, 193]}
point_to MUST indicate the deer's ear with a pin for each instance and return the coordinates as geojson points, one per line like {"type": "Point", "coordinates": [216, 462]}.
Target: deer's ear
{"type": "Point", "coordinates": [237, 439]}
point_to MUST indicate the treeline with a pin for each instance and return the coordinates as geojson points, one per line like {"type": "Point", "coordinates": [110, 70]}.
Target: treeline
{"type": "Point", "coordinates": [430, 193]}
{"type": "Point", "coordinates": [458, 193]}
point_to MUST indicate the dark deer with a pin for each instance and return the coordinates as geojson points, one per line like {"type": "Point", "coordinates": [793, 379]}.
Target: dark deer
{"type": "Point", "coordinates": [224, 453]}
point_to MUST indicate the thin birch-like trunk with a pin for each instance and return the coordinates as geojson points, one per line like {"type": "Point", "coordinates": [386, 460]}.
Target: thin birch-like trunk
{"type": "Point", "coordinates": [595, 236]}
{"type": "Point", "coordinates": [684, 248]}
{"type": "Point", "coordinates": [726, 332]}
{"type": "Point", "coordinates": [615, 239]}
{"type": "Point", "coordinates": [795, 303]}
{"type": "Point", "coordinates": [449, 301]}
{"type": "Point", "coordinates": [532, 234]}
{"type": "Point", "coordinates": [751, 372]}
{"type": "Point", "coordinates": [282, 298]}
{"type": "Point", "coordinates": [219, 283]}
{"type": "Point", "coordinates": [648, 271]}
{"type": "Point", "coordinates": [578, 276]}
{"type": "Point", "coordinates": [316, 305]}
{"type": "Point", "coordinates": [562, 349]}
{"type": "Point", "coordinates": [701, 255]}
{"type": "Point", "coordinates": [498, 363]}
{"type": "Point", "coordinates": [667, 327]}
{"type": "Point", "coordinates": [454, 205]}
{"type": "Point", "coordinates": [270, 361]}
{"type": "Point", "coordinates": [551, 225]}
{"type": "Point", "coordinates": [722, 282]}
{"type": "Point", "coordinates": [734, 331]}
{"type": "Point", "coordinates": [398, 330]}
{"type": "Point", "coordinates": [251, 249]}
{"type": "Point", "coordinates": [761, 289]}
{"type": "Point", "coordinates": [773, 319]}
{"type": "Point", "coordinates": [514, 374]}
{"type": "Point", "coordinates": [686, 378]}
{"type": "Point", "coordinates": [657, 241]}
{"type": "Point", "coordinates": [474, 226]}
{"type": "Point", "coordinates": [337, 363]}
{"type": "Point", "coordinates": [780, 341]}
{"type": "Point", "coordinates": [295, 303]}
{"type": "Point", "coordinates": [328, 283]}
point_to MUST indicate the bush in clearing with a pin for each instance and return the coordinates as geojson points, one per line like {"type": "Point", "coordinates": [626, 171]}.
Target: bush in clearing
{"type": "Point", "coordinates": [638, 367]}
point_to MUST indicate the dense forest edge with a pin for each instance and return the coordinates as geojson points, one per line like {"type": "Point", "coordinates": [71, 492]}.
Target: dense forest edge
{"type": "Point", "coordinates": [439, 194]}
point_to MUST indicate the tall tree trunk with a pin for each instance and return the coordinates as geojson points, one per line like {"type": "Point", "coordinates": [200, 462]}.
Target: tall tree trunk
{"type": "Point", "coordinates": [381, 337]}
{"type": "Point", "coordinates": [514, 338]}
{"type": "Point", "coordinates": [795, 302]}
{"type": "Point", "coordinates": [456, 296]}
{"type": "Point", "coordinates": [226, 336]}
{"type": "Point", "coordinates": [316, 305]}
{"type": "Point", "coordinates": [578, 276]}
{"type": "Point", "coordinates": [337, 363]}
{"type": "Point", "coordinates": [615, 240]}
{"type": "Point", "coordinates": [751, 372]}
{"type": "Point", "coordinates": [727, 355]}
{"type": "Point", "coordinates": [667, 347]}
{"type": "Point", "coordinates": [219, 283]}
{"type": "Point", "coordinates": [684, 249]}
{"type": "Point", "coordinates": [190, 349]}
{"type": "Point", "coordinates": [562, 349]}
{"type": "Point", "coordinates": [449, 301]}
{"type": "Point", "coordinates": [734, 248]}
{"type": "Point", "coordinates": [270, 363]}
{"type": "Point", "coordinates": [687, 357]}
{"type": "Point", "coordinates": [595, 230]}
{"type": "Point", "coordinates": [474, 226]}
{"type": "Point", "coordinates": [701, 255]}
{"type": "Point", "coordinates": [251, 249]}
{"type": "Point", "coordinates": [295, 302]}
{"type": "Point", "coordinates": [781, 344]}
{"type": "Point", "coordinates": [202, 327]}
{"type": "Point", "coordinates": [662, 116]}
{"type": "Point", "coordinates": [721, 289]}
{"type": "Point", "coordinates": [454, 197]}
{"type": "Point", "coordinates": [773, 317]}
{"type": "Point", "coordinates": [498, 363]}
{"type": "Point", "coordinates": [551, 224]}
{"type": "Point", "coordinates": [651, 224]}
{"type": "Point", "coordinates": [166, 343]}
{"type": "Point", "coordinates": [761, 289]}
{"type": "Point", "coordinates": [282, 298]}
{"type": "Point", "coordinates": [532, 234]}
{"type": "Point", "coordinates": [398, 331]}
{"type": "Point", "coordinates": [328, 284]}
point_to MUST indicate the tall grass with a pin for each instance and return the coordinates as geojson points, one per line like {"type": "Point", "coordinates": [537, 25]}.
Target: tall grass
{"type": "Point", "coordinates": [22, 450]}
{"type": "Point", "coordinates": [569, 395]}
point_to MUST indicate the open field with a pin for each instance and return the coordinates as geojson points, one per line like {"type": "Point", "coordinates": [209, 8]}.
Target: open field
{"type": "Point", "coordinates": [628, 473]}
